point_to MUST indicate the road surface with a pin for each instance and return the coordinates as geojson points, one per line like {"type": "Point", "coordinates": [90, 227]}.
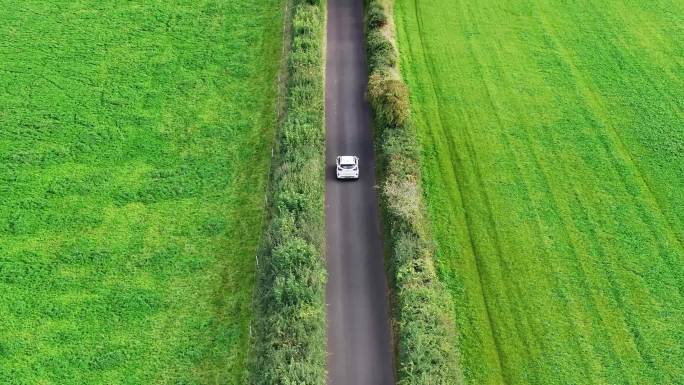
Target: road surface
{"type": "Point", "coordinates": [359, 342]}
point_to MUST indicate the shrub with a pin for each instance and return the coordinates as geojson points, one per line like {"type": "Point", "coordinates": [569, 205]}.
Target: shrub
{"type": "Point", "coordinates": [390, 100]}
{"type": "Point", "coordinates": [376, 16]}
{"type": "Point", "coordinates": [381, 54]}
{"type": "Point", "coordinates": [289, 319]}
{"type": "Point", "coordinates": [424, 325]}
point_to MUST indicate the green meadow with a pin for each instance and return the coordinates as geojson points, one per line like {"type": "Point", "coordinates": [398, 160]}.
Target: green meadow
{"type": "Point", "coordinates": [552, 138]}
{"type": "Point", "coordinates": [135, 144]}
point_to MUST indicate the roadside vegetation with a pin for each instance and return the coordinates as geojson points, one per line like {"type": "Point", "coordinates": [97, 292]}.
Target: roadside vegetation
{"type": "Point", "coordinates": [135, 141]}
{"type": "Point", "coordinates": [290, 332]}
{"type": "Point", "coordinates": [423, 326]}
{"type": "Point", "coordinates": [552, 152]}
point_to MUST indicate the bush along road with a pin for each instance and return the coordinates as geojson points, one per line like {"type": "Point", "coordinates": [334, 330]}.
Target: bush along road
{"type": "Point", "coordinates": [289, 344]}
{"type": "Point", "coordinates": [289, 320]}
{"type": "Point", "coordinates": [424, 327]}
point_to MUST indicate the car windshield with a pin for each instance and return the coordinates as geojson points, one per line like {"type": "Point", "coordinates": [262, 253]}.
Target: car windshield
{"type": "Point", "coordinates": [346, 162]}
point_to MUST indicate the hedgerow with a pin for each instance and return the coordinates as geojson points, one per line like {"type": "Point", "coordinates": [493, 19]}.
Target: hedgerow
{"type": "Point", "coordinates": [424, 327]}
{"type": "Point", "coordinates": [385, 56]}
{"type": "Point", "coordinates": [289, 322]}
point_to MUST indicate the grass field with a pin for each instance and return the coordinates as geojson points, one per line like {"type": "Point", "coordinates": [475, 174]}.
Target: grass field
{"type": "Point", "coordinates": [135, 140]}
{"type": "Point", "coordinates": [553, 161]}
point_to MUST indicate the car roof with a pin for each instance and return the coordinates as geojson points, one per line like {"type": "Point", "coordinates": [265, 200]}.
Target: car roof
{"type": "Point", "coordinates": [346, 159]}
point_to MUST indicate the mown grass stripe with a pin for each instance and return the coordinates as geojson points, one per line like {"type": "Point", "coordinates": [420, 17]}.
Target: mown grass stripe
{"type": "Point", "coordinates": [586, 281]}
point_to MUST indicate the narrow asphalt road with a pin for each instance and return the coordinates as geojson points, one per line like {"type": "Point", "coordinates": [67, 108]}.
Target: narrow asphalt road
{"type": "Point", "coordinates": [359, 342]}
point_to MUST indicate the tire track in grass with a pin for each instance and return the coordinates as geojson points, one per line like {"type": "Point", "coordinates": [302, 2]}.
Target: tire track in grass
{"type": "Point", "coordinates": [647, 346]}
{"type": "Point", "coordinates": [566, 231]}
{"type": "Point", "coordinates": [455, 161]}
{"type": "Point", "coordinates": [575, 249]}
{"type": "Point", "coordinates": [574, 327]}
{"type": "Point", "coordinates": [644, 212]}
{"type": "Point", "coordinates": [524, 341]}
{"type": "Point", "coordinates": [549, 191]}
{"type": "Point", "coordinates": [600, 237]}
{"type": "Point", "coordinates": [513, 292]}
{"type": "Point", "coordinates": [555, 208]}
{"type": "Point", "coordinates": [617, 144]}
{"type": "Point", "coordinates": [569, 228]}
{"type": "Point", "coordinates": [623, 166]}
{"type": "Point", "coordinates": [632, 321]}
{"type": "Point", "coordinates": [491, 229]}
{"type": "Point", "coordinates": [516, 318]}
{"type": "Point", "coordinates": [608, 267]}
{"type": "Point", "coordinates": [575, 241]}
{"type": "Point", "coordinates": [457, 220]}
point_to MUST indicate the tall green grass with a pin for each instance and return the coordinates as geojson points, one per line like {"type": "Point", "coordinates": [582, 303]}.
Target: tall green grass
{"type": "Point", "coordinates": [553, 165]}
{"type": "Point", "coordinates": [135, 140]}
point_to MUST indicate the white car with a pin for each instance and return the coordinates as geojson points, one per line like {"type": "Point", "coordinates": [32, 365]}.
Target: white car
{"type": "Point", "coordinates": [348, 167]}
